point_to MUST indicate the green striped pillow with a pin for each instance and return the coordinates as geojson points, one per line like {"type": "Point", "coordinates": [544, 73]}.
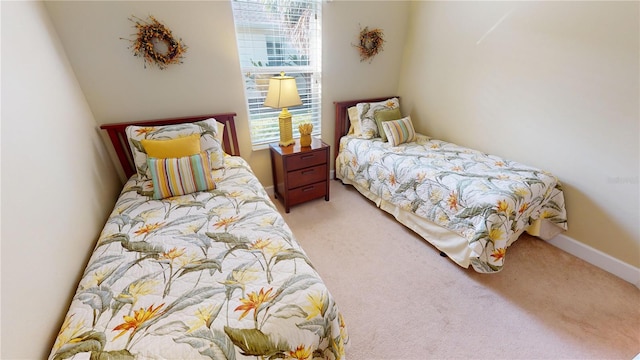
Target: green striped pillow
{"type": "Point", "coordinates": [399, 131]}
{"type": "Point", "coordinates": [180, 176]}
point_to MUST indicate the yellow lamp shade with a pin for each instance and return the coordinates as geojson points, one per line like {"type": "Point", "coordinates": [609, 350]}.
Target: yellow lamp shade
{"type": "Point", "coordinates": [283, 92]}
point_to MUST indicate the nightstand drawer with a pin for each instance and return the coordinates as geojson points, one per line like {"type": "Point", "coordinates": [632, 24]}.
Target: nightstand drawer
{"type": "Point", "coordinates": [307, 176]}
{"type": "Point", "coordinates": [306, 159]}
{"type": "Point", "coordinates": [308, 192]}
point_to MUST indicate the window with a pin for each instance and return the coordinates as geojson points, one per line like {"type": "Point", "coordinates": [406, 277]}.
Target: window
{"type": "Point", "coordinates": [279, 36]}
{"type": "Point", "coordinates": [275, 53]}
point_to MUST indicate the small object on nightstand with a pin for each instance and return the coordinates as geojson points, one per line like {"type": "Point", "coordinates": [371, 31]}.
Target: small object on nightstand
{"type": "Point", "coordinates": [305, 134]}
{"type": "Point", "coordinates": [300, 173]}
{"type": "Point", "coordinates": [305, 140]}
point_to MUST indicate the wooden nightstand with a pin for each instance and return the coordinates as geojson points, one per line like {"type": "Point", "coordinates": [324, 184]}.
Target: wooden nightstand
{"type": "Point", "coordinates": [299, 173]}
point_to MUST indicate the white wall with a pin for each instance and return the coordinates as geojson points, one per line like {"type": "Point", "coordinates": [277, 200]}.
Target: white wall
{"type": "Point", "coordinates": [96, 36]}
{"type": "Point", "coordinates": [58, 182]}
{"type": "Point", "coordinates": [551, 84]}
{"type": "Point", "coordinates": [344, 76]}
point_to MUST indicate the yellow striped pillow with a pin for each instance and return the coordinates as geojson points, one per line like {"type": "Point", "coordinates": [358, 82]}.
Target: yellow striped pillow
{"type": "Point", "coordinates": [399, 131]}
{"type": "Point", "coordinates": [180, 176]}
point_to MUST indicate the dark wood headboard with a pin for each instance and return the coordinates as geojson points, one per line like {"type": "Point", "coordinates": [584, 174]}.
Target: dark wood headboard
{"type": "Point", "coordinates": [118, 136]}
{"type": "Point", "coordinates": [342, 119]}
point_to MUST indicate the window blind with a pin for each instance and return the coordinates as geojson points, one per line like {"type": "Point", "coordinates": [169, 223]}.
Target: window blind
{"type": "Point", "coordinates": [275, 36]}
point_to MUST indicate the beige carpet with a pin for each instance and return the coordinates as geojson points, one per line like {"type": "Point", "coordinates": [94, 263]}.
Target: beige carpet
{"type": "Point", "coordinates": [402, 300]}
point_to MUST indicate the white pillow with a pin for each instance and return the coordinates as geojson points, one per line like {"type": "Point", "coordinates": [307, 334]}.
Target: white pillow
{"type": "Point", "coordinates": [354, 128]}
{"type": "Point", "coordinates": [220, 134]}
{"type": "Point", "coordinates": [208, 130]}
{"type": "Point", "coordinates": [366, 116]}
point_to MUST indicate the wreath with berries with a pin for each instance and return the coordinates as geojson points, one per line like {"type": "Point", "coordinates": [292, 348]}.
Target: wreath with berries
{"type": "Point", "coordinates": [155, 43]}
{"type": "Point", "coordinates": [371, 42]}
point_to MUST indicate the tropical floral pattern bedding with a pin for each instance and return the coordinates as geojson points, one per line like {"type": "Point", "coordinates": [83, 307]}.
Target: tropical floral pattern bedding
{"type": "Point", "coordinates": [212, 275]}
{"type": "Point", "coordinates": [485, 199]}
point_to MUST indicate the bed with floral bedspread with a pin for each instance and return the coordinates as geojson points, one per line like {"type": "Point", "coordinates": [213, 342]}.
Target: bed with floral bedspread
{"type": "Point", "coordinates": [212, 274]}
{"type": "Point", "coordinates": [469, 204]}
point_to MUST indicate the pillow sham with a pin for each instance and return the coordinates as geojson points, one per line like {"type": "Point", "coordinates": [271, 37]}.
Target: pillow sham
{"type": "Point", "coordinates": [172, 148]}
{"type": "Point", "coordinates": [366, 113]}
{"type": "Point", "coordinates": [386, 115]}
{"type": "Point", "coordinates": [208, 130]}
{"type": "Point", "coordinates": [220, 134]}
{"type": "Point", "coordinates": [399, 131]}
{"type": "Point", "coordinates": [354, 128]}
{"type": "Point", "coordinates": [180, 176]}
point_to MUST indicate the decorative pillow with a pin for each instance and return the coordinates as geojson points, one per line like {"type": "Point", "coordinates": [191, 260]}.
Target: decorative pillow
{"type": "Point", "coordinates": [180, 176]}
{"type": "Point", "coordinates": [366, 113]}
{"type": "Point", "coordinates": [208, 130]}
{"type": "Point", "coordinates": [220, 134]}
{"type": "Point", "coordinates": [386, 115]}
{"type": "Point", "coordinates": [172, 148]}
{"type": "Point", "coordinates": [354, 128]}
{"type": "Point", "coordinates": [399, 131]}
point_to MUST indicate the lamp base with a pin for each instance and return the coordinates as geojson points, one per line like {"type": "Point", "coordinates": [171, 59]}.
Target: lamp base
{"type": "Point", "coordinates": [286, 143]}
{"type": "Point", "coordinates": [286, 133]}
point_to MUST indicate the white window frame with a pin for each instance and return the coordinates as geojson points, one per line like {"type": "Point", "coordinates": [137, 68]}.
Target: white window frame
{"type": "Point", "coordinates": [256, 26]}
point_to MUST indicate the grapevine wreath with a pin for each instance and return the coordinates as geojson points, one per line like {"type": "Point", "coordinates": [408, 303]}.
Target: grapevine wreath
{"type": "Point", "coordinates": [370, 43]}
{"type": "Point", "coordinates": [155, 44]}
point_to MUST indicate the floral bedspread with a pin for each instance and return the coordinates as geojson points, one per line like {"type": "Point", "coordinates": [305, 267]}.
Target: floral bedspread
{"type": "Point", "coordinates": [212, 275]}
{"type": "Point", "coordinates": [487, 200]}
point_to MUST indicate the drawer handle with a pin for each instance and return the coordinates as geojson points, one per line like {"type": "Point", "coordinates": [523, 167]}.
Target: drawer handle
{"type": "Point", "coordinates": [309, 188]}
{"type": "Point", "coordinates": [305, 172]}
{"type": "Point", "coordinates": [304, 157]}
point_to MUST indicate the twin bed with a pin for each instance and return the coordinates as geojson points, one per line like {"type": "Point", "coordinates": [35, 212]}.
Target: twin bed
{"type": "Point", "coordinates": [213, 274]}
{"type": "Point", "coordinates": [468, 204]}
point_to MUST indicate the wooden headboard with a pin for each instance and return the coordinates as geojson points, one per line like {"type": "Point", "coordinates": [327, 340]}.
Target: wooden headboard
{"type": "Point", "coordinates": [118, 136]}
{"type": "Point", "coordinates": [342, 119]}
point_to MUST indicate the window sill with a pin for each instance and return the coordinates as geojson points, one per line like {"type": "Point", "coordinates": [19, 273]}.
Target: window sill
{"type": "Point", "coordinates": [259, 147]}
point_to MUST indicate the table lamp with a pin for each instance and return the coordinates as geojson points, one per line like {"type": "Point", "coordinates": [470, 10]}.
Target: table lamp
{"type": "Point", "coordinates": [283, 93]}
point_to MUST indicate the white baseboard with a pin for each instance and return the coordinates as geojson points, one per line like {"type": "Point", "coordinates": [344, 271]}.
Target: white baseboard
{"type": "Point", "coordinates": [598, 258]}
